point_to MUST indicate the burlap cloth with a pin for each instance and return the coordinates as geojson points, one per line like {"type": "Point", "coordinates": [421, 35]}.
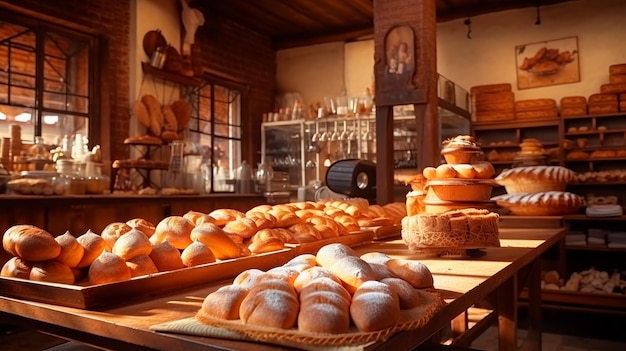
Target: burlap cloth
{"type": "Point", "coordinates": [204, 325]}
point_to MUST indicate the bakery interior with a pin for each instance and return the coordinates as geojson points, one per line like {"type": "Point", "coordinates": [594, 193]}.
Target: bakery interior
{"type": "Point", "coordinates": [267, 103]}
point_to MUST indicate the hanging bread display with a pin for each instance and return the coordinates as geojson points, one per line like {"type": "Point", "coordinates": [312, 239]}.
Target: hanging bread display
{"type": "Point", "coordinates": [155, 112]}
{"type": "Point", "coordinates": [182, 111]}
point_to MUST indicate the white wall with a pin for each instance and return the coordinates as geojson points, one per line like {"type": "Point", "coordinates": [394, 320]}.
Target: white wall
{"type": "Point", "coordinates": [489, 57]}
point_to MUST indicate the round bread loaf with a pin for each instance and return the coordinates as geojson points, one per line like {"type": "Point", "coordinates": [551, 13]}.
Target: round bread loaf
{"type": "Point", "coordinates": [302, 262]}
{"type": "Point", "coordinates": [132, 244]}
{"type": "Point", "coordinates": [71, 251]}
{"type": "Point", "coordinates": [166, 257]}
{"type": "Point", "coordinates": [145, 226]}
{"type": "Point", "coordinates": [141, 265]}
{"type": "Point", "coordinates": [198, 218]}
{"type": "Point", "coordinates": [93, 245]}
{"type": "Point", "coordinates": [374, 307]}
{"type": "Point", "coordinates": [327, 255]}
{"type": "Point", "coordinates": [225, 215]}
{"type": "Point", "coordinates": [30, 243]}
{"type": "Point", "coordinates": [114, 231]}
{"type": "Point", "coordinates": [544, 203]}
{"type": "Point", "coordinates": [16, 267]}
{"type": "Point", "coordinates": [176, 230]}
{"type": "Point", "coordinates": [222, 246]}
{"type": "Point", "coordinates": [534, 179]}
{"type": "Point", "coordinates": [244, 227]}
{"type": "Point", "coordinates": [225, 302]}
{"type": "Point", "coordinates": [414, 272]}
{"type": "Point", "coordinates": [248, 278]}
{"type": "Point", "coordinates": [52, 272]}
{"type": "Point", "coordinates": [271, 303]}
{"type": "Point", "coordinates": [108, 268]}
{"type": "Point", "coordinates": [196, 254]}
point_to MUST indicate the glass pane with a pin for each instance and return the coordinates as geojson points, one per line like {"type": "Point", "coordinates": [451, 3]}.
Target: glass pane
{"type": "Point", "coordinates": [227, 156]}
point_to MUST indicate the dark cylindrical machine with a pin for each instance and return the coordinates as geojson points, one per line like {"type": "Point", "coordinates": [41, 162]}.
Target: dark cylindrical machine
{"type": "Point", "coordinates": [353, 177]}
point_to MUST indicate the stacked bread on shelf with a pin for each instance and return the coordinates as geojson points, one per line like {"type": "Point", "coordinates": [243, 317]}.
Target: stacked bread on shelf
{"type": "Point", "coordinates": [456, 201]}
{"type": "Point", "coordinates": [137, 247]}
{"type": "Point", "coordinates": [492, 102]}
{"type": "Point", "coordinates": [536, 108]}
{"type": "Point", "coordinates": [573, 106]}
{"type": "Point", "coordinates": [538, 191]}
{"type": "Point", "coordinates": [334, 291]}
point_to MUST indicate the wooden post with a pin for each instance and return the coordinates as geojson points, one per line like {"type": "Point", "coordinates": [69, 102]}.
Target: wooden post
{"type": "Point", "coordinates": [405, 70]}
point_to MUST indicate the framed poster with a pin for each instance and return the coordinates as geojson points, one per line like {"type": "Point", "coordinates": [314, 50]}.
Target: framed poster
{"type": "Point", "coordinates": [547, 63]}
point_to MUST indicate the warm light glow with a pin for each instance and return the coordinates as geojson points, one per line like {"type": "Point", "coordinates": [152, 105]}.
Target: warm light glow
{"type": "Point", "coordinates": [22, 117]}
{"type": "Point", "coordinates": [3, 116]}
{"type": "Point", "coordinates": [50, 119]}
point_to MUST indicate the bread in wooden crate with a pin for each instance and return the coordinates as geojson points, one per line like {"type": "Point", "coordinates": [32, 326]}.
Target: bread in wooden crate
{"type": "Point", "coordinates": [573, 110]}
{"type": "Point", "coordinates": [619, 68]}
{"type": "Point", "coordinates": [548, 203]}
{"type": "Point", "coordinates": [603, 107]}
{"type": "Point", "coordinates": [535, 104]}
{"type": "Point", "coordinates": [602, 97]}
{"type": "Point", "coordinates": [617, 78]}
{"type": "Point", "coordinates": [488, 116]}
{"type": "Point", "coordinates": [613, 88]}
{"type": "Point", "coordinates": [543, 113]}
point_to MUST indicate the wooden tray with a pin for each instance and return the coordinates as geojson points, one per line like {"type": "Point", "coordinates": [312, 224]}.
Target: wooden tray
{"type": "Point", "coordinates": [150, 286]}
{"type": "Point", "coordinates": [531, 222]}
{"type": "Point", "coordinates": [385, 231]}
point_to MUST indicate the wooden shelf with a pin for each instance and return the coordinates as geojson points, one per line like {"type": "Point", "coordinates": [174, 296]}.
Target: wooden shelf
{"type": "Point", "coordinates": [614, 302]}
{"type": "Point", "coordinates": [595, 248]}
{"type": "Point", "coordinates": [170, 76]}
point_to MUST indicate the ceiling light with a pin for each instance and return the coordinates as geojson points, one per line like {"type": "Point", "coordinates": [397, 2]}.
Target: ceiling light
{"type": "Point", "coordinates": [50, 119]}
{"type": "Point", "coordinates": [3, 116]}
{"type": "Point", "coordinates": [22, 117]}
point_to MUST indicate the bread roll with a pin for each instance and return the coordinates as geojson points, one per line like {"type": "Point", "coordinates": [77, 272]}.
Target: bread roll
{"type": "Point", "coordinates": [169, 119]}
{"type": "Point", "coordinates": [30, 243]}
{"type": "Point", "coordinates": [262, 220]}
{"type": "Point", "coordinates": [196, 254]}
{"type": "Point", "coordinates": [141, 113]}
{"type": "Point", "coordinates": [302, 262]}
{"type": "Point", "coordinates": [198, 218]}
{"type": "Point", "coordinates": [266, 245]}
{"type": "Point", "coordinates": [107, 268]}
{"type": "Point", "coordinates": [285, 219]}
{"type": "Point", "coordinates": [271, 303]}
{"type": "Point", "coordinates": [145, 226]}
{"type": "Point", "coordinates": [222, 246]}
{"type": "Point", "coordinates": [353, 271]}
{"type": "Point", "coordinates": [225, 215]}
{"type": "Point", "coordinates": [114, 231]}
{"type": "Point", "coordinates": [327, 255]}
{"type": "Point", "coordinates": [324, 299]}
{"type": "Point", "coordinates": [166, 257]}
{"type": "Point", "coordinates": [315, 272]}
{"type": "Point", "coordinates": [376, 257]}
{"type": "Point", "coordinates": [304, 233]}
{"type": "Point", "coordinates": [182, 111]}
{"type": "Point", "coordinates": [141, 265]}
{"type": "Point", "coordinates": [132, 244]}
{"type": "Point", "coordinates": [381, 271]}
{"type": "Point", "coordinates": [414, 272]}
{"type": "Point", "coordinates": [71, 251]}
{"type": "Point", "coordinates": [248, 278]}
{"type": "Point", "coordinates": [408, 296]}
{"type": "Point", "coordinates": [93, 245]}
{"type": "Point", "coordinates": [16, 267]}
{"type": "Point", "coordinates": [286, 274]}
{"type": "Point", "coordinates": [176, 230]}
{"type": "Point", "coordinates": [155, 112]}
{"type": "Point", "coordinates": [225, 302]}
{"type": "Point", "coordinates": [244, 227]}
{"type": "Point", "coordinates": [374, 307]}
{"type": "Point", "coordinates": [52, 271]}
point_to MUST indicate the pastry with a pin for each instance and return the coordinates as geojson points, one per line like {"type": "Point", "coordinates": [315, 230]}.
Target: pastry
{"type": "Point", "coordinates": [93, 246]}
{"type": "Point", "coordinates": [166, 257]}
{"type": "Point", "coordinates": [53, 272]}
{"type": "Point", "coordinates": [141, 265]}
{"type": "Point", "coordinates": [222, 246]}
{"type": "Point", "coordinates": [196, 254]}
{"type": "Point", "coordinates": [374, 307]}
{"type": "Point", "coordinates": [71, 251]}
{"type": "Point", "coordinates": [175, 229]}
{"type": "Point", "coordinates": [532, 179]}
{"type": "Point", "coordinates": [108, 268]}
{"type": "Point", "coordinates": [132, 244]}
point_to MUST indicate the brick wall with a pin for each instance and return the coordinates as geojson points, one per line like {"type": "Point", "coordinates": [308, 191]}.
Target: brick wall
{"type": "Point", "coordinates": [226, 47]}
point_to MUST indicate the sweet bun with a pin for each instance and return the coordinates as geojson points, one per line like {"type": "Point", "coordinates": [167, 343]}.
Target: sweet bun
{"type": "Point", "coordinates": [324, 299]}
{"type": "Point", "coordinates": [408, 296]}
{"type": "Point", "coordinates": [198, 218]}
{"type": "Point", "coordinates": [141, 265]}
{"type": "Point", "coordinates": [302, 262]}
{"type": "Point", "coordinates": [244, 227]}
{"type": "Point", "coordinates": [374, 307]}
{"type": "Point", "coordinates": [266, 245]}
{"type": "Point", "coordinates": [248, 278]}
{"type": "Point", "coordinates": [132, 244]}
{"type": "Point", "coordinates": [176, 230]}
{"type": "Point", "coordinates": [145, 226]}
{"type": "Point", "coordinates": [262, 220]}
{"type": "Point", "coordinates": [30, 243]}
{"type": "Point", "coordinates": [445, 171]}
{"type": "Point", "coordinates": [225, 215]}
{"type": "Point", "coordinates": [71, 251]}
{"type": "Point", "coordinates": [52, 272]}
{"type": "Point", "coordinates": [414, 272]}
{"type": "Point", "coordinates": [224, 303]}
{"type": "Point", "coordinates": [114, 231]}
{"type": "Point", "coordinates": [93, 245]}
{"type": "Point", "coordinates": [108, 268]}
{"type": "Point", "coordinates": [166, 257]}
{"type": "Point", "coordinates": [222, 246]}
{"type": "Point", "coordinates": [315, 272]}
{"type": "Point", "coordinates": [429, 172]}
{"type": "Point", "coordinates": [196, 254]}
{"type": "Point", "coordinates": [327, 255]}
{"type": "Point", "coordinates": [465, 170]}
{"type": "Point", "coordinates": [271, 303]}
{"type": "Point", "coordinates": [16, 267]}
{"type": "Point", "coordinates": [353, 271]}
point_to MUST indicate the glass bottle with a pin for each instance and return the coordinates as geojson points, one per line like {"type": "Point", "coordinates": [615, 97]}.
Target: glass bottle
{"type": "Point", "coordinates": [174, 177]}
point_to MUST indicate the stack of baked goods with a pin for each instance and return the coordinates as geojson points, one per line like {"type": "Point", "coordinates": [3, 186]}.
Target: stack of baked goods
{"type": "Point", "coordinates": [492, 102]}
{"type": "Point", "coordinates": [536, 108]}
{"type": "Point", "coordinates": [573, 106]}
{"type": "Point", "coordinates": [532, 153]}
{"type": "Point", "coordinates": [166, 121]}
{"type": "Point", "coordinates": [332, 298]}
{"type": "Point", "coordinates": [538, 191]}
{"type": "Point", "coordinates": [602, 103]}
{"type": "Point", "coordinates": [455, 212]}
{"type": "Point", "coordinates": [617, 79]}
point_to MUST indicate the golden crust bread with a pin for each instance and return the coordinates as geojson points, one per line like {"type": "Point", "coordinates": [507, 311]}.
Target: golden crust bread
{"type": "Point", "coordinates": [549, 203]}
{"type": "Point", "coordinates": [182, 111]}
{"type": "Point", "coordinates": [141, 113]}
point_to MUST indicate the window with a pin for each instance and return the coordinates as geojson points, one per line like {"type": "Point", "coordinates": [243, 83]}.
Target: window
{"type": "Point", "coordinates": [215, 132]}
{"type": "Point", "coordinates": [46, 82]}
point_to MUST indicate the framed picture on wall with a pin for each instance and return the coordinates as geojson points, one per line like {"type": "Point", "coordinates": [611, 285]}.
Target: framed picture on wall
{"type": "Point", "coordinates": [547, 63]}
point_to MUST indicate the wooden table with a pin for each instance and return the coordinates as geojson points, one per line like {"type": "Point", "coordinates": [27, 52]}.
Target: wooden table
{"type": "Point", "coordinates": [495, 276]}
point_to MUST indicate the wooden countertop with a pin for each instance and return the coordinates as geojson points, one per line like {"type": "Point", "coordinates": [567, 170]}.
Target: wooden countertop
{"type": "Point", "coordinates": [462, 282]}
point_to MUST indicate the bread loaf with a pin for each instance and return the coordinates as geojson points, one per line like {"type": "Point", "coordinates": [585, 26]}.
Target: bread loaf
{"type": "Point", "coordinates": [222, 246]}
{"type": "Point", "coordinates": [107, 268]}
{"type": "Point", "coordinates": [271, 303]}
{"type": "Point", "coordinates": [313, 273]}
{"type": "Point", "coordinates": [141, 265]}
{"type": "Point", "coordinates": [175, 229]}
{"type": "Point", "coordinates": [408, 296]}
{"type": "Point", "coordinates": [30, 243]}
{"type": "Point", "coordinates": [327, 255]}
{"type": "Point", "coordinates": [166, 257]}
{"type": "Point", "coordinates": [225, 302]}
{"type": "Point", "coordinates": [16, 267]}
{"type": "Point", "coordinates": [93, 245]}
{"type": "Point", "coordinates": [141, 113]}
{"type": "Point", "coordinates": [198, 218]}
{"type": "Point", "coordinates": [324, 299]}
{"type": "Point", "coordinates": [132, 244]}
{"type": "Point", "coordinates": [244, 227]}
{"type": "Point", "coordinates": [374, 307]}
{"type": "Point", "coordinates": [196, 254]}
{"type": "Point", "coordinates": [52, 272]}
{"type": "Point", "coordinates": [225, 215]}
{"type": "Point", "coordinates": [169, 119]}
{"type": "Point", "coordinates": [71, 251]}
{"type": "Point", "coordinates": [266, 245]}
{"type": "Point", "coordinates": [114, 231]}
{"type": "Point", "coordinates": [414, 272]}
{"type": "Point", "coordinates": [145, 226]}
{"type": "Point", "coordinates": [156, 114]}
{"type": "Point", "coordinates": [548, 203]}
{"type": "Point", "coordinates": [532, 179]}
{"type": "Point", "coordinates": [182, 111]}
